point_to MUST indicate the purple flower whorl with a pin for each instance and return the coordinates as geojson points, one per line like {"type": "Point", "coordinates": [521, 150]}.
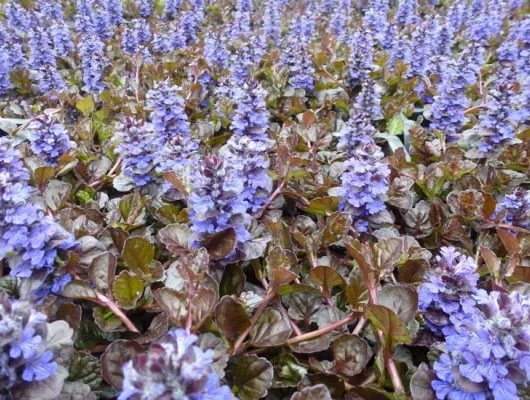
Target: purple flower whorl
{"type": "Point", "coordinates": [449, 106]}
{"type": "Point", "coordinates": [247, 148]}
{"type": "Point", "coordinates": [173, 368]}
{"type": "Point", "coordinates": [446, 296]}
{"type": "Point", "coordinates": [28, 239]}
{"type": "Point", "coordinates": [48, 140]}
{"type": "Point", "coordinates": [23, 354]}
{"type": "Point", "coordinates": [364, 183]}
{"type": "Point", "coordinates": [138, 150]}
{"type": "Point", "coordinates": [216, 200]}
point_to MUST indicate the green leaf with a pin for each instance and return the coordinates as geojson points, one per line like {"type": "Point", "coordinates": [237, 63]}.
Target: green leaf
{"type": "Point", "coordinates": [231, 317]}
{"type": "Point", "coordinates": [106, 319]}
{"type": "Point", "coordinates": [59, 341]}
{"type": "Point", "coordinates": [8, 285]}
{"type": "Point", "coordinates": [102, 270]}
{"type": "Point", "coordinates": [337, 225]}
{"type": "Point", "coordinates": [252, 377]}
{"type": "Point", "coordinates": [112, 360]}
{"type": "Point", "coordinates": [317, 392]}
{"type": "Point", "coordinates": [76, 391]}
{"type": "Point", "coordinates": [288, 372]}
{"type": "Point", "coordinates": [326, 277]}
{"type": "Point", "coordinates": [173, 303]}
{"type": "Point", "coordinates": [79, 290]}
{"type": "Point", "coordinates": [394, 330]}
{"type": "Point", "coordinates": [127, 289]}
{"type": "Point", "coordinates": [43, 176]}
{"type": "Point", "coordinates": [85, 368]}
{"type": "Point", "coordinates": [168, 214]}
{"type": "Point", "coordinates": [303, 306]}
{"type": "Point", "coordinates": [86, 106]}
{"type": "Point", "coordinates": [271, 329]}
{"type": "Point", "coordinates": [57, 193]}
{"type": "Point", "coordinates": [203, 303]}
{"type": "Point", "coordinates": [298, 288]}
{"type": "Point", "coordinates": [70, 313]}
{"type": "Point", "coordinates": [356, 291]}
{"type": "Point", "coordinates": [220, 244]}
{"type": "Point", "coordinates": [387, 253]}
{"type": "Point", "coordinates": [396, 125]}
{"type": "Point", "coordinates": [138, 254]}
{"type": "Point", "coordinates": [233, 280]}
{"type": "Point", "coordinates": [88, 335]}
{"type": "Point", "coordinates": [323, 205]}
{"type": "Point", "coordinates": [280, 258]}
{"type": "Point", "coordinates": [350, 354]}
{"type": "Point", "coordinates": [176, 237]}
{"type": "Point", "coordinates": [492, 262]}
{"type": "Point", "coordinates": [420, 383]}
{"type": "Point", "coordinates": [401, 299]}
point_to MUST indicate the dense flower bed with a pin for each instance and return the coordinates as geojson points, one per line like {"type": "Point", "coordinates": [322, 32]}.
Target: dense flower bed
{"type": "Point", "coordinates": [283, 199]}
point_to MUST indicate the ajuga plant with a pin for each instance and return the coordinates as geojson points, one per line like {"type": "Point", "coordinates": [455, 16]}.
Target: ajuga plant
{"type": "Point", "coordinates": [486, 350]}
{"type": "Point", "coordinates": [264, 199]}
{"type": "Point", "coordinates": [49, 139]}
{"type": "Point", "coordinates": [174, 368]}
{"type": "Point", "coordinates": [32, 359]}
{"type": "Point", "coordinates": [29, 240]}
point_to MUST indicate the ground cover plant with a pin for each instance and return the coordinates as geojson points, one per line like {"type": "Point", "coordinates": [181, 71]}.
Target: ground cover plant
{"type": "Point", "coordinates": [281, 199]}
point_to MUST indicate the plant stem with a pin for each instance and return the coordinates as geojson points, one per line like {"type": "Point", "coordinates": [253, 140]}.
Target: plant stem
{"type": "Point", "coordinates": [279, 304]}
{"type": "Point", "coordinates": [253, 321]}
{"type": "Point", "coordinates": [394, 375]}
{"type": "Point", "coordinates": [106, 302]}
{"type": "Point", "coordinates": [111, 172]}
{"type": "Point", "coordinates": [359, 326]}
{"type": "Point", "coordinates": [323, 331]}
{"type": "Point", "coordinates": [189, 318]}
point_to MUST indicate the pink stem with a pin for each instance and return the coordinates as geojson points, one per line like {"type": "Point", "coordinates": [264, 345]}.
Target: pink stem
{"type": "Point", "coordinates": [106, 302]}
{"type": "Point", "coordinates": [323, 331]}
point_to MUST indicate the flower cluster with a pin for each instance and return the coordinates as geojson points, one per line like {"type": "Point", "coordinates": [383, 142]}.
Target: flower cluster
{"type": "Point", "coordinates": [487, 341]}
{"type": "Point", "coordinates": [172, 136]}
{"type": "Point", "coordinates": [41, 52]}
{"type": "Point", "coordinates": [215, 51]}
{"type": "Point", "coordinates": [364, 183]}
{"type": "Point", "coordinates": [61, 39]}
{"type": "Point", "coordinates": [489, 355]}
{"type": "Point", "coordinates": [23, 354]}
{"type": "Point", "coordinates": [451, 102]}
{"type": "Point", "coordinates": [93, 61]}
{"type": "Point", "coordinates": [517, 207]}
{"type": "Point", "coordinates": [297, 58]}
{"type": "Point", "coordinates": [361, 56]}
{"type": "Point", "coordinates": [216, 202]}
{"type": "Point", "coordinates": [272, 22]}
{"type": "Point", "coordinates": [406, 13]}
{"type": "Point", "coordinates": [137, 148]}
{"type": "Point", "coordinates": [28, 239]}
{"type": "Point", "coordinates": [497, 124]}
{"type": "Point", "coordinates": [368, 101]}
{"type": "Point", "coordinates": [48, 79]}
{"type": "Point", "coordinates": [247, 147]}
{"type": "Point", "coordinates": [49, 139]}
{"type": "Point", "coordinates": [173, 368]}
{"type": "Point", "coordinates": [135, 37]}
{"type": "Point", "coordinates": [446, 295]}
